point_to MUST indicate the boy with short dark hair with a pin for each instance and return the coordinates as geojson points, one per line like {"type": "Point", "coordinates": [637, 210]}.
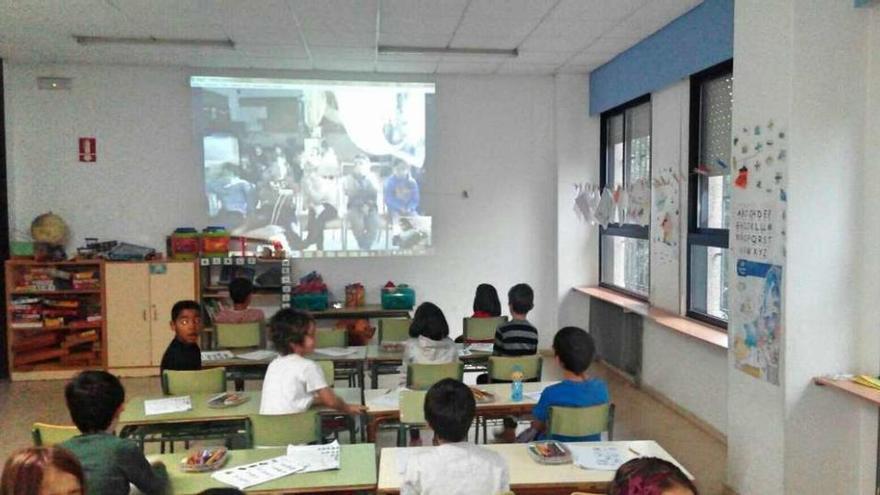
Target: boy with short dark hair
{"type": "Point", "coordinates": [574, 349]}
{"type": "Point", "coordinates": [517, 337]}
{"type": "Point", "coordinates": [293, 383]}
{"type": "Point", "coordinates": [241, 291]}
{"type": "Point", "coordinates": [455, 466]}
{"type": "Point", "coordinates": [183, 353]}
{"type": "Point", "coordinates": [95, 400]}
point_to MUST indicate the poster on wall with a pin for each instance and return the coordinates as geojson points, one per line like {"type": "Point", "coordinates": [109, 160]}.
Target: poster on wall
{"type": "Point", "coordinates": [666, 213]}
{"type": "Point", "coordinates": [757, 243]}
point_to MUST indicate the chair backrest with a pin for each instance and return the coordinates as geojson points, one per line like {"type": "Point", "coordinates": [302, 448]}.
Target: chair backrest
{"type": "Point", "coordinates": [581, 421]}
{"type": "Point", "coordinates": [285, 429]}
{"type": "Point", "coordinates": [501, 367]}
{"type": "Point", "coordinates": [329, 370]}
{"type": "Point", "coordinates": [422, 376]}
{"type": "Point", "coordinates": [331, 337]}
{"type": "Point", "coordinates": [46, 435]}
{"type": "Point", "coordinates": [394, 329]}
{"type": "Point", "coordinates": [412, 407]}
{"type": "Point", "coordinates": [232, 335]}
{"type": "Point", "coordinates": [212, 380]}
{"type": "Point", "coordinates": [481, 329]}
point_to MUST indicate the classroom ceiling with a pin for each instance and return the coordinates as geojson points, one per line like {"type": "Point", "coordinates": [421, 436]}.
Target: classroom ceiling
{"type": "Point", "coordinates": [552, 36]}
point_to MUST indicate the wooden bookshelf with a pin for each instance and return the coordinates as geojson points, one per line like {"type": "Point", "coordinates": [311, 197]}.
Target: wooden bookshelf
{"type": "Point", "coordinates": [51, 294]}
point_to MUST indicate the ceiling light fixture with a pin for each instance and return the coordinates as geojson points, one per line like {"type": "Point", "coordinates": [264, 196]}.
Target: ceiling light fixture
{"type": "Point", "coordinates": [434, 50]}
{"type": "Point", "coordinates": [153, 41]}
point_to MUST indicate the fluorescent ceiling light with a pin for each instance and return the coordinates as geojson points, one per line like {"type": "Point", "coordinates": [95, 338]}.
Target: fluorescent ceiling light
{"type": "Point", "coordinates": [152, 40]}
{"type": "Point", "coordinates": [434, 50]}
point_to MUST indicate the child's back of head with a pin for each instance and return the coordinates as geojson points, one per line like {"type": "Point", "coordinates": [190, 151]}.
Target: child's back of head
{"type": "Point", "coordinates": [651, 476]}
{"type": "Point", "coordinates": [290, 327]}
{"type": "Point", "coordinates": [93, 397]}
{"type": "Point", "coordinates": [449, 409]}
{"type": "Point", "coordinates": [486, 300]}
{"type": "Point", "coordinates": [575, 349]}
{"type": "Point", "coordinates": [521, 299]}
{"type": "Point", "coordinates": [240, 289]}
{"type": "Point", "coordinates": [429, 322]}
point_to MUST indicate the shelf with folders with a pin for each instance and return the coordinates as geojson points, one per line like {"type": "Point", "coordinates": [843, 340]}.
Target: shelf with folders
{"type": "Point", "coordinates": [55, 315]}
{"type": "Point", "coordinates": [270, 276]}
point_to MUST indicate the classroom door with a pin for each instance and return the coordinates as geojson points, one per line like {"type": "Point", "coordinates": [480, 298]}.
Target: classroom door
{"type": "Point", "coordinates": [128, 318]}
{"type": "Point", "coordinates": [169, 283]}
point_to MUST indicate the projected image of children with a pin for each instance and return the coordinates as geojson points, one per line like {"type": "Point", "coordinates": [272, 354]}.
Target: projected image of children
{"type": "Point", "coordinates": [320, 166]}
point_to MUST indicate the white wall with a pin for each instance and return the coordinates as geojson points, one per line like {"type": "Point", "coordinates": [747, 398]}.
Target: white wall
{"type": "Point", "coordinates": [577, 157]}
{"type": "Point", "coordinates": [495, 139]}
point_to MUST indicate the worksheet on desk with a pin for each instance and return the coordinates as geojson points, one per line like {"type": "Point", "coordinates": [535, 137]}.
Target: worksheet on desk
{"type": "Point", "coordinates": [315, 457]}
{"type": "Point", "coordinates": [217, 355]}
{"type": "Point", "coordinates": [168, 405]}
{"type": "Point", "coordinates": [259, 472]}
{"type": "Point", "coordinates": [601, 458]}
{"type": "Point", "coordinates": [258, 355]}
{"type": "Point", "coordinates": [336, 351]}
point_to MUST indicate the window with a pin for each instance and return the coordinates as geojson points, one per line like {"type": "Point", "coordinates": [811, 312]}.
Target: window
{"type": "Point", "coordinates": [624, 249]}
{"type": "Point", "coordinates": [709, 194]}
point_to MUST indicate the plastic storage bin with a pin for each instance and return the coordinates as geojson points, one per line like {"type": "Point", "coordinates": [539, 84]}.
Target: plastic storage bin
{"type": "Point", "coordinates": [310, 302]}
{"type": "Point", "coordinates": [400, 297]}
{"type": "Point", "coordinates": [215, 242]}
{"type": "Point", "coordinates": [184, 244]}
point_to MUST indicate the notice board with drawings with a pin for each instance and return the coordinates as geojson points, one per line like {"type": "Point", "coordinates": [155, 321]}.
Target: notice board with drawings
{"type": "Point", "coordinates": [757, 245]}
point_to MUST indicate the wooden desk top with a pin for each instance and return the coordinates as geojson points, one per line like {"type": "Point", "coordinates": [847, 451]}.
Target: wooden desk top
{"type": "Point", "coordinates": [357, 472]}
{"type": "Point", "coordinates": [133, 415]}
{"type": "Point", "coordinates": [367, 311]}
{"type": "Point", "coordinates": [376, 354]}
{"type": "Point", "coordinates": [382, 401]}
{"type": "Point", "coordinates": [359, 354]}
{"type": "Point", "coordinates": [524, 472]}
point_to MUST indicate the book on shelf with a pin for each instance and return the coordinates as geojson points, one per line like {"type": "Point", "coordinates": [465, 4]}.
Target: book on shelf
{"type": "Point", "coordinates": [23, 343]}
{"type": "Point", "coordinates": [26, 324]}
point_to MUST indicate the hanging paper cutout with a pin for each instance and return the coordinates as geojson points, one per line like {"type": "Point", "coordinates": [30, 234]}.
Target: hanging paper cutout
{"type": "Point", "coordinates": [742, 180]}
{"type": "Point", "coordinates": [605, 210]}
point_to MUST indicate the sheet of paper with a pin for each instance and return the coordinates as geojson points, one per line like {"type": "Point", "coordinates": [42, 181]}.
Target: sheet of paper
{"type": "Point", "coordinates": [217, 355]}
{"type": "Point", "coordinates": [336, 351]}
{"type": "Point", "coordinates": [259, 355]}
{"type": "Point", "coordinates": [402, 458]}
{"type": "Point", "coordinates": [166, 406]}
{"type": "Point", "coordinates": [389, 399]}
{"type": "Point", "coordinates": [535, 396]}
{"type": "Point", "coordinates": [602, 458]}
{"type": "Point", "coordinates": [315, 457]}
{"type": "Point", "coordinates": [483, 347]}
{"type": "Point", "coordinates": [464, 352]}
{"type": "Point", "coordinates": [256, 473]}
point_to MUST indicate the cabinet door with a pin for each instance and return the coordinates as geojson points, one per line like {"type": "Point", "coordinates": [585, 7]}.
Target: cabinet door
{"type": "Point", "coordinates": [128, 318]}
{"type": "Point", "coordinates": [169, 283]}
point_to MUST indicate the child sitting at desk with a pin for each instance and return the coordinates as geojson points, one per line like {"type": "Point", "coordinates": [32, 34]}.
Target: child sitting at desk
{"type": "Point", "coordinates": [574, 349]}
{"type": "Point", "coordinates": [42, 471]}
{"type": "Point", "coordinates": [241, 291]}
{"type": "Point", "coordinates": [429, 343]}
{"type": "Point", "coordinates": [651, 475]}
{"type": "Point", "coordinates": [183, 353]}
{"type": "Point", "coordinates": [95, 400]}
{"type": "Point", "coordinates": [294, 383]}
{"type": "Point", "coordinates": [455, 466]}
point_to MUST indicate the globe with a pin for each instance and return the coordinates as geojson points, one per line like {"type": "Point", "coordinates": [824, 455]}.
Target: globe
{"type": "Point", "coordinates": [49, 228]}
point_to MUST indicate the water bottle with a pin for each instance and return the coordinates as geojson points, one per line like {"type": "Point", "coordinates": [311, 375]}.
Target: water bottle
{"type": "Point", "coordinates": [516, 387]}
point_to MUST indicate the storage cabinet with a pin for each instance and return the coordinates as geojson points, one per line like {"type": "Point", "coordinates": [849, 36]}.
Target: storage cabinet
{"type": "Point", "coordinates": [139, 300]}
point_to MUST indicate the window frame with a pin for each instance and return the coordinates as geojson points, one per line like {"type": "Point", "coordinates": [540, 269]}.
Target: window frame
{"type": "Point", "coordinates": [622, 230]}
{"type": "Point", "coordinates": [698, 197]}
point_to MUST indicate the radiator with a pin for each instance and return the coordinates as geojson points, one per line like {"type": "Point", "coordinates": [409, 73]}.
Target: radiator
{"type": "Point", "coordinates": [618, 337]}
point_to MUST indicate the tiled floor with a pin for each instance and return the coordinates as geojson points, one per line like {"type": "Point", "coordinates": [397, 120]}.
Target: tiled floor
{"type": "Point", "coordinates": [638, 416]}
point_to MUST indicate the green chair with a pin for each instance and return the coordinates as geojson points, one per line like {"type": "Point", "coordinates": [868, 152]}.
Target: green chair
{"type": "Point", "coordinates": [329, 370]}
{"type": "Point", "coordinates": [46, 435]}
{"type": "Point", "coordinates": [422, 376]}
{"type": "Point", "coordinates": [394, 329]}
{"type": "Point", "coordinates": [285, 429]}
{"type": "Point", "coordinates": [501, 368]}
{"type": "Point", "coordinates": [331, 337]}
{"type": "Point", "coordinates": [581, 421]}
{"type": "Point", "coordinates": [412, 413]}
{"type": "Point", "coordinates": [481, 329]}
{"type": "Point", "coordinates": [211, 380]}
{"type": "Point", "coordinates": [233, 335]}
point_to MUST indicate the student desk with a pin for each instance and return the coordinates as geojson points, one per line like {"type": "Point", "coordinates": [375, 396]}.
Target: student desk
{"type": "Point", "coordinates": [361, 312]}
{"type": "Point", "coordinates": [376, 356]}
{"type": "Point", "coordinates": [357, 472]}
{"type": "Point", "coordinates": [526, 475]}
{"type": "Point", "coordinates": [381, 411]}
{"type": "Point", "coordinates": [134, 423]}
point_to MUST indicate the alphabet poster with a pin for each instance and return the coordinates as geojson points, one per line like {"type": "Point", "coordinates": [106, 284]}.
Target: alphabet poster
{"type": "Point", "coordinates": [757, 245]}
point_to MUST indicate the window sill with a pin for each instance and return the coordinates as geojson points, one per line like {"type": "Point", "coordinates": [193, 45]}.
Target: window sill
{"type": "Point", "coordinates": [852, 388]}
{"type": "Point", "coordinates": [692, 328]}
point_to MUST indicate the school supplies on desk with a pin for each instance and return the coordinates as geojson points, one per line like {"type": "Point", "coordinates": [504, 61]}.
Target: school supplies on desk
{"type": "Point", "coordinates": [535, 396]}
{"type": "Point", "coordinates": [549, 452]}
{"type": "Point", "coordinates": [201, 460]}
{"type": "Point", "coordinates": [167, 406]}
{"type": "Point", "coordinates": [259, 472]}
{"type": "Point", "coordinates": [315, 457]}
{"type": "Point", "coordinates": [602, 458]}
{"type": "Point", "coordinates": [227, 399]}
{"type": "Point", "coordinates": [258, 355]}
{"type": "Point", "coordinates": [336, 351]}
{"type": "Point", "coordinates": [217, 355]}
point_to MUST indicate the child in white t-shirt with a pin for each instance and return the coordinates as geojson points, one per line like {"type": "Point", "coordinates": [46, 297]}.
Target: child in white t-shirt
{"type": "Point", "coordinates": [294, 383]}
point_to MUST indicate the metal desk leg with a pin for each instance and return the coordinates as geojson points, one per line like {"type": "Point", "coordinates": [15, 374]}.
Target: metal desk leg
{"type": "Point", "coordinates": [374, 376]}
